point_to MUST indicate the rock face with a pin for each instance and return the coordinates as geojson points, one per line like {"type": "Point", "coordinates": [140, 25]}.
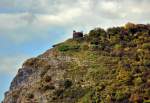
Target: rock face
{"type": "Point", "coordinates": [110, 66]}
{"type": "Point", "coordinates": [21, 77]}
{"type": "Point", "coordinates": [37, 76]}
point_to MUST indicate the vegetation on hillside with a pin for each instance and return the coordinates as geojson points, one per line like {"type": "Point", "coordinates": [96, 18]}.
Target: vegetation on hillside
{"type": "Point", "coordinates": [105, 66]}
{"type": "Point", "coordinates": [118, 64]}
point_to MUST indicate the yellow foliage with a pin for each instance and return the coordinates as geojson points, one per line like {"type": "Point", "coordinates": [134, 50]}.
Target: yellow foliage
{"type": "Point", "coordinates": [129, 25]}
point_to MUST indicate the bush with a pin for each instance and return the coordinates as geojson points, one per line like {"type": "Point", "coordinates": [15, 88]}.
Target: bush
{"type": "Point", "coordinates": [94, 47]}
{"type": "Point", "coordinates": [95, 41]}
{"type": "Point", "coordinates": [146, 101]}
{"type": "Point", "coordinates": [119, 95]}
{"type": "Point", "coordinates": [95, 96]}
{"type": "Point", "coordinates": [146, 46]}
{"type": "Point", "coordinates": [59, 92]}
{"type": "Point", "coordinates": [67, 83]}
{"type": "Point", "coordinates": [138, 81]}
{"type": "Point", "coordinates": [117, 46]}
{"type": "Point", "coordinates": [63, 48]}
{"type": "Point", "coordinates": [114, 31]}
{"type": "Point", "coordinates": [85, 47]}
{"type": "Point", "coordinates": [47, 78]}
{"type": "Point", "coordinates": [96, 33]}
{"type": "Point", "coordinates": [129, 25]}
{"type": "Point", "coordinates": [75, 47]}
{"type": "Point", "coordinates": [46, 87]}
{"type": "Point", "coordinates": [124, 77]}
{"type": "Point", "coordinates": [146, 63]}
{"type": "Point", "coordinates": [136, 98]}
{"type": "Point", "coordinates": [30, 95]}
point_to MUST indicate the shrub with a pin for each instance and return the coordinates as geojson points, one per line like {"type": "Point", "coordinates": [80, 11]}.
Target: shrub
{"type": "Point", "coordinates": [85, 47]}
{"type": "Point", "coordinates": [97, 33]}
{"type": "Point", "coordinates": [129, 25]}
{"type": "Point", "coordinates": [124, 77]}
{"type": "Point", "coordinates": [117, 46]}
{"type": "Point", "coordinates": [146, 46]}
{"type": "Point", "coordinates": [138, 81]}
{"type": "Point", "coordinates": [46, 87]}
{"type": "Point", "coordinates": [119, 95]}
{"type": "Point", "coordinates": [59, 92]}
{"type": "Point", "coordinates": [30, 95]}
{"type": "Point", "coordinates": [95, 96]}
{"type": "Point", "coordinates": [146, 101]}
{"type": "Point", "coordinates": [136, 98]}
{"type": "Point", "coordinates": [63, 48]}
{"type": "Point", "coordinates": [95, 41]}
{"type": "Point", "coordinates": [94, 47]}
{"type": "Point", "coordinates": [47, 78]}
{"type": "Point", "coordinates": [114, 31]}
{"type": "Point", "coordinates": [146, 62]}
{"type": "Point", "coordinates": [67, 83]}
{"type": "Point", "coordinates": [75, 47]}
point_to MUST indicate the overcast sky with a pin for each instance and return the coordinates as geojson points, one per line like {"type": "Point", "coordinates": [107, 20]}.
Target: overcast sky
{"type": "Point", "coordinates": [29, 27]}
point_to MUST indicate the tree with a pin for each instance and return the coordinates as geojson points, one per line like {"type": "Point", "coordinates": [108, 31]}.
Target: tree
{"type": "Point", "coordinates": [97, 32]}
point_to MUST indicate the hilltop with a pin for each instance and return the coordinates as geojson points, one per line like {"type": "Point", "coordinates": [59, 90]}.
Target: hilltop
{"type": "Point", "coordinates": [103, 66]}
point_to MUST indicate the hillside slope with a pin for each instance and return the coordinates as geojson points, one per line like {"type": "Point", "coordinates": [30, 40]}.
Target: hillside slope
{"type": "Point", "coordinates": [110, 66]}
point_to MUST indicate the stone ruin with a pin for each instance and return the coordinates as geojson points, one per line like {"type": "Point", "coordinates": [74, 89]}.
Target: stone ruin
{"type": "Point", "coordinates": [77, 35]}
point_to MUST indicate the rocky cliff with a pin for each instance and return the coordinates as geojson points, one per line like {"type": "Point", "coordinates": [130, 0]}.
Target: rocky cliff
{"type": "Point", "coordinates": [110, 66]}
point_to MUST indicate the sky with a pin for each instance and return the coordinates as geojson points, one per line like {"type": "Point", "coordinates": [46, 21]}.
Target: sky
{"type": "Point", "coordinates": [29, 27]}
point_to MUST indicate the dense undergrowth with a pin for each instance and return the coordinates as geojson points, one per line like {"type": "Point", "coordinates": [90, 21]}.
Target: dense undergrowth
{"type": "Point", "coordinates": [117, 64]}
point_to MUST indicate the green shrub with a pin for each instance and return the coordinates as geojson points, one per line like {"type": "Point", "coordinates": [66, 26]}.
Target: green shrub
{"type": "Point", "coordinates": [95, 41]}
{"type": "Point", "coordinates": [64, 48]}
{"type": "Point", "coordinates": [75, 47]}
{"type": "Point", "coordinates": [86, 98]}
{"type": "Point", "coordinates": [146, 101]}
{"type": "Point", "coordinates": [97, 33]}
{"type": "Point", "coordinates": [114, 31]}
{"type": "Point", "coordinates": [146, 62]}
{"type": "Point", "coordinates": [67, 83]}
{"type": "Point", "coordinates": [119, 95]}
{"type": "Point", "coordinates": [94, 47]}
{"type": "Point", "coordinates": [85, 47]}
{"type": "Point", "coordinates": [146, 46]}
{"type": "Point", "coordinates": [138, 81]}
{"type": "Point", "coordinates": [117, 46]}
{"type": "Point", "coordinates": [95, 96]}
